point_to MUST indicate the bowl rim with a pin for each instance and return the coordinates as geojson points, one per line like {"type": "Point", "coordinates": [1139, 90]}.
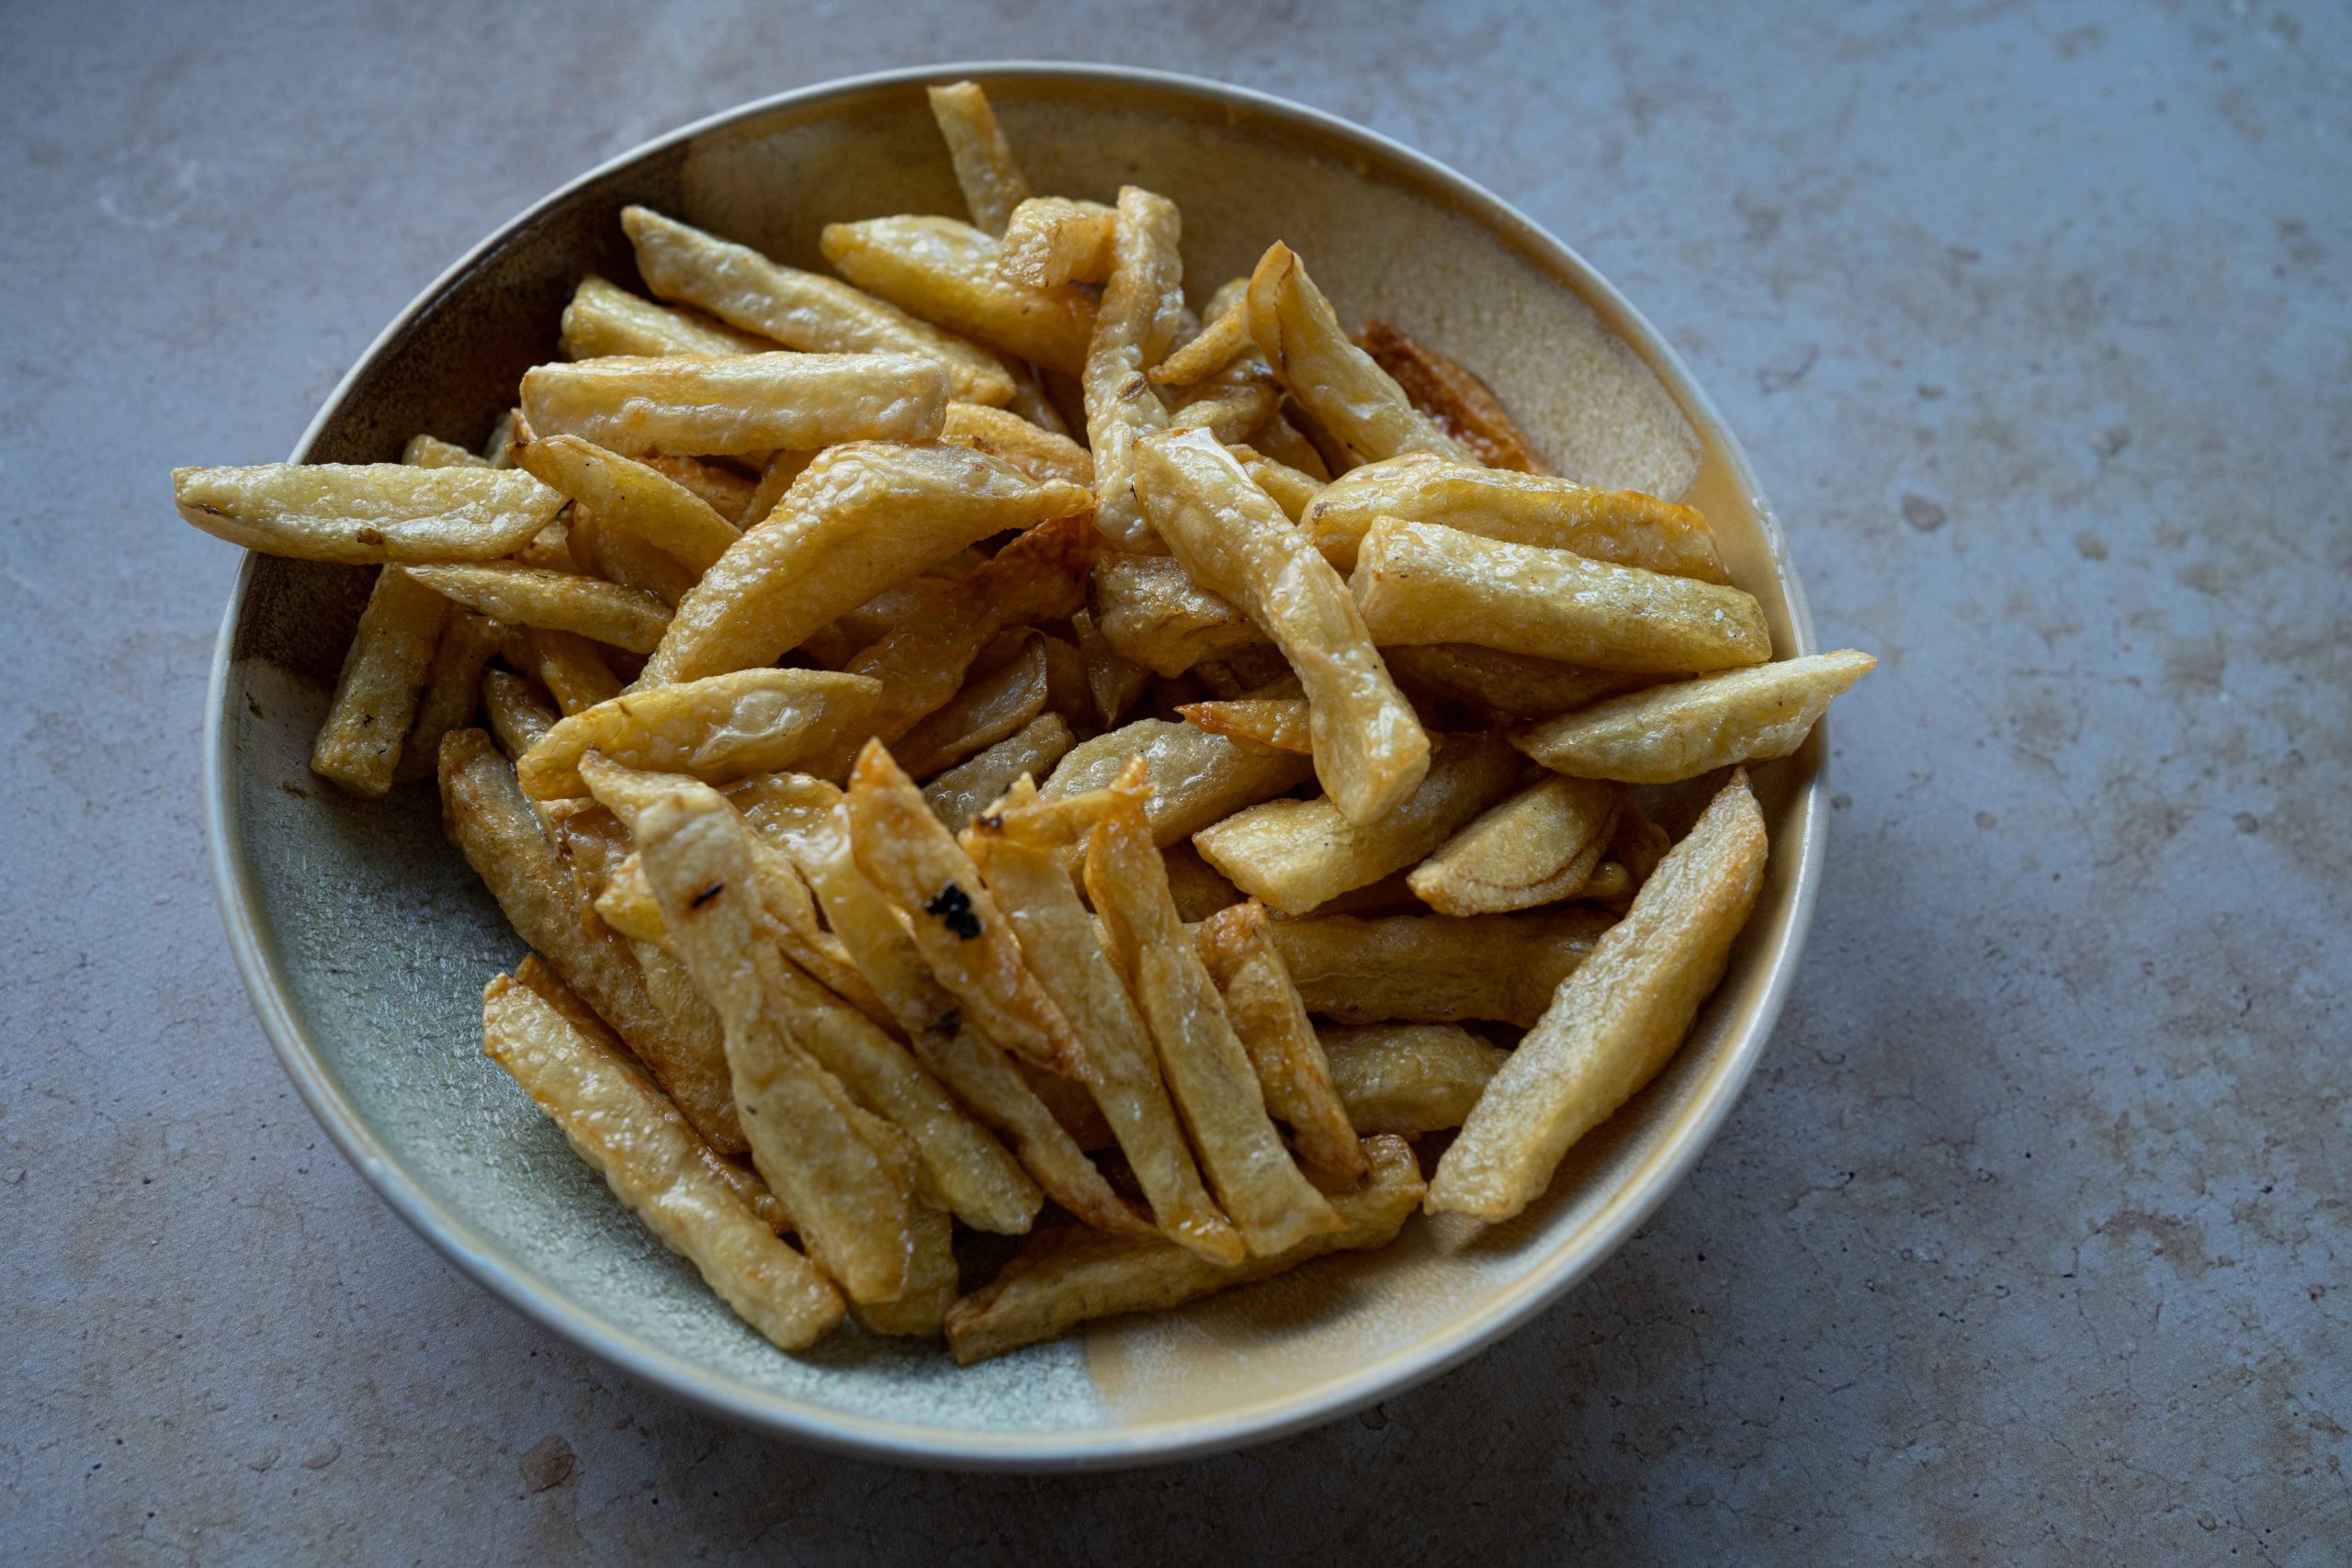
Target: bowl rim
{"type": "Point", "coordinates": [904, 1442]}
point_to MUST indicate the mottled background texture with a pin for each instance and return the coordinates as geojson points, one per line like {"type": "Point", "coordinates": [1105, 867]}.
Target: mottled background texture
{"type": "Point", "coordinates": [2027, 1242]}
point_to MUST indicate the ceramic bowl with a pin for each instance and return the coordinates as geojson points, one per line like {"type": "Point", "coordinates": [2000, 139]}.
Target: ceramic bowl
{"type": "Point", "coordinates": [366, 941]}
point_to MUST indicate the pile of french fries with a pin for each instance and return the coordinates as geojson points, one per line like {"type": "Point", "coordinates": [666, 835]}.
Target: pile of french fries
{"type": "Point", "coordinates": [972, 735]}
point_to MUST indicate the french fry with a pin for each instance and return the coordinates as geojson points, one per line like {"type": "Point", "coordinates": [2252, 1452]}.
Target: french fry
{"type": "Point", "coordinates": [920, 868]}
{"type": "Point", "coordinates": [1354, 398]}
{"type": "Point", "coordinates": [1461, 404]}
{"type": "Point", "coordinates": [694, 405]}
{"type": "Point", "coordinates": [1212, 348]}
{"type": "Point", "coordinates": [1270, 1019]}
{"type": "Point", "coordinates": [1638, 842]}
{"type": "Point", "coordinates": [1670, 733]}
{"type": "Point", "coordinates": [1031, 400]}
{"type": "Point", "coordinates": [1196, 778]}
{"type": "Point", "coordinates": [720, 488]}
{"type": "Point", "coordinates": [1112, 680]}
{"type": "Point", "coordinates": [452, 691]}
{"type": "Point", "coordinates": [775, 477]}
{"type": "Point", "coordinates": [861, 517]}
{"type": "Point", "coordinates": [1431, 969]}
{"type": "Point", "coordinates": [492, 824]}
{"type": "Point", "coordinates": [1281, 442]}
{"type": "Point", "coordinates": [1272, 726]}
{"type": "Point", "coordinates": [1200, 890]}
{"type": "Point", "coordinates": [498, 451]}
{"type": "Point", "coordinates": [1495, 687]}
{"type": "Point", "coordinates": [568, 665]}
{"type": "Point", "coordinates": [986, 169]}
{"type": "Point", "coordinates": [551, 549]}
{"type": "Point", "coordinates": [1051, 240]}
{"type": "Point", "coordinates": [962, 792]}
{"type": "Point", "coordinates": [1610, 882]}
{"type": "Point", "coordinates": [1392, 895]}
{"type": "Point", "coordinates": [1070, 1275]}
{"type": "Point", "coordinates": [1233, 404]}
{"type": "Point", "coordinates": [1148, 609]}
{"type": "Point", "coordinates": [1409, 1078]}
{"type": "Point", "coordinates": [1420, 582]}
{"type": "Point", "coordinates": [922, 1307]}
{"type": "Point", "coordinates": [604, 321]}
{"type": "Point", "coordinates": [990, 708]}
{"type": "Point", "coordinates": [526, 596]}
{"type": "Point", "coordinates": [384, 676]}
{"type": "Point", "coordinates": [516, 714]}
{"type": "Point", "coordinates": [803, 310]}
{"type": "Point", "coordinates": [1539, 846]}
{"type": "Point", "coordinates": [1294, 490]}
{"type": "Point", "coordinates": [1208, 1071]}
{"type": "Point", "coordinates": [718, 730]}
{"type": "Point", "coordinates": [598, 548]}
{"type": "Point", "coordinates": [649, 504]}
{"type": "Point", "coordinates": [1131, 329]}
{"type": "Point", "coordinates": [367, 514]}
{"type": "Point", "coordinates": [1041, 454]}
{"type": "Point", "coordinates": [431, 452]}
{"type": "Point", "coordinates": [1622, 526]}
{"type": "Point", "coordinates": [1617, 1021]}
{"type": "Point", "coordinates": [656, 1166]}
{"type": "Point", "coordinates": [945, 273]}
{"type": "Point", "coordinates": [1296, 854]}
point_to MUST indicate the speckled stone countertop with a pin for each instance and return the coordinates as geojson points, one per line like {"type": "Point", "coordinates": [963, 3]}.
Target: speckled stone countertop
{"type": "Point", "coordinates": [2029, 1240]}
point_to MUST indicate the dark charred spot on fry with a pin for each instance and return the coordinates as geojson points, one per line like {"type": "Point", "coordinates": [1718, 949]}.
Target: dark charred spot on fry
{"type": "Point", "coordinates": [369, 536]}
{"type": "Point", "coordinates": [947, 1023]}
{"type": "Point", "coordinates": [707, 895]}
{"type": "Point", "coordinates": [954, 908]}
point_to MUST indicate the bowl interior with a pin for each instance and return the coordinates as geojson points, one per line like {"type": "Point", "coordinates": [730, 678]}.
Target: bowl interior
{"type": "Point", "coordinates": [367, 940]}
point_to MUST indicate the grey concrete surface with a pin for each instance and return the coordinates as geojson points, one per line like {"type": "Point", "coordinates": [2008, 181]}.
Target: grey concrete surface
{"type": "Point", "coordinates": [2027, 1242]}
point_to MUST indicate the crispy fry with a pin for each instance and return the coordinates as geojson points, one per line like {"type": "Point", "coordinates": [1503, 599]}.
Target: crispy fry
{"type": "Point", "coordinates": [516, 714]}
{"type": "Point", "coordinates": [719, 729]}
{"type": "Point", "coordinates": [1212, 348]}
{"type": "Point", "coordinates": [649, 504]}
{"type": "Point", "coordinates": [384, 676]}
{"type": "Point", "coordinates": [1051, 240]}
{"type": "Point", "coordinates": [961, 792]}
{"type": "Point", "coordinates": [1461, 404]}
{"type": "Point", "coordinates": [431, 452]}
{"type": "Point", "coordinates": [550, 549]}
{"type": "Point", "coordinates": [1266, 725]}
{"type": "Point", "coordinates": [694, 405]}
{"type": "Point", "coordinates": [1196, 778]}
{"type": "Point", "coordinates": [1041, 454]}
{"type": "Point", "coordinates": [1131, 329]}
{"type": "Point", "coordinates": [1638, 842]}
{"type": "Point", "coordinates": [452, 691]}
{"type": "Point", "coordinates": [1539, 846]}
{"type": "Point", "coordinates": [1296, 854]}
{"type": "Point", "coordinates": [656, 1166]}
{"type": "Point", "coordinates": [1070, 1275]}
{"type": "Point", "coordinates": [990, 708]}
{"type": "Point", "coordinates": [720, 488]}
{"type": "Point", "coordinates": [367, 514]}
{"type": "Point", "coordinates": [1498, 687]}
{"type": "Point", "coordinates": [604, 320]}
{"type": "Point", "coordinates": [990, 176]}
{"type": "Point", "coordinates": [1151, 612]}
{"type": "Point", "coordinates": [1233, 404]}
{"type": "Point", "coordinates": [602, 611]}
{"type": "Point", "coordinates": [1294, 490]}
{"type": "Point", "coordinates": [1409, 1078]}
{"type": "Point", "coordinates": [1208, 1072]}
{"type": "Point", "coordinates": [1670, 733]}
{"type": "Point", "coordinates": [1617, 1021]}
{"type": "Point", "coordinates": [498, 451]}
{"type": "Point", "coordinates": [1354, 398]}
{"type": "Point", "coordinates": [1112, 680]}
{"type": "Point", "coordinates": [567, 664]}
{"type": "Point", "coordinates": [1271, 1021]}
{"type": "Point", "coordinates": [946, 272]}
{"type": "Point", "coordinates": [598, 548]}
{"type": "Point", "coordinates": [1431, 969]}
{"type": "Point", "coordinates": [775, 477]}
{"type": "Point", "coordinates": [1420, 582]}
{"type": "Point", "coordinates": [1281, 442]}
{"type": "Point", "coordinates": [1200, 889]}
{"type": "Point", "coordinates": [862, 517]}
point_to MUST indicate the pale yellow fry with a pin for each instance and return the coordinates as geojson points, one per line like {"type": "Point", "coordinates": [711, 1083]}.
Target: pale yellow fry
{"type": "Point", "coordinates": [568, 665]}
{"type": "Point", "coordinates": [604, 320]}
{"type": "Point", "coordinates": [986, 169]}
{"type": "Point", "coordinates": [599, 549]}
{"type": "Point", "coordinates": [862, 517]}
{"type": "Point", "coordinates": [602, 611]}
{"type": "Point", "coordinates": [1670, 733]}
{"type": "Point", "coordinates": [497, 450]}
{"type": "Point", "coordinates": [655, 1166]}
{"type": "Point", "coordinates": [1217, 345]}
{"type": "Point", "coordinates": [804, 311]}
{"type": "Point", "coordinates": [1281, 440]}
{"type": "Point", "coordinates": [1536, 848]}
{"type": "Point", "coordinates": [945, 273]}
{"type": "Point", "coordinates": [1051, 240]}
{"type": "Point", "coordinates": [646, 502]}
{"type": "Point", "coordinates": [367, 514]}
{"type": "Point", "coordinates": [1294, 490]}
{"type": "Point", "coordinates": [1196, 778]}
{"type": "Point", "coordinates": [1619, 526]}
{"type": "Point", "coordinates": [1296, 854]}
{"type": "Point", "coordinates": [922, 1307]}
{"type": "Point", "coordinates": [1070, 1275]}
{"type": "Point", "coordinates": [384, 674]}
{"type": "Point", "coordinates": [696, 405]}
{"type": "Point", "coordinates": [963, 792]}
{"type": "Point", "coordinates": [775, 479]}
{"type": "Point", "coordinates": [1233, 404]}
{"type": "Point", "coordinates": [492, 824]}
{"type": "Point", "coordinates": [719, 729]}
{"type": "Point", "coordinates": [1431, 969]}
{"type": "Point", "coordinates": [1269, 725]}
{"type": "Point", "coordinates": [452, 691]}
{"type": "Point", "coordinates": [516, 714]}
{"type": "Point", "coordinates": [1352, 397]}
{"type": "Point", "coordinates": [1500, 687]}
{"type": "Point", "coordinates": [1617, 1021]}
{"type": "Point", "coordinates": [431, 452]}
{"type": "Point", "coordinates": [1001, 432]}
{"type": "Point", "coordinates": [1409, 1078]}
{"type": "Point", "coordinates": [1148, 609]}
{"type": "Point", "coordinates": [1132, 330]}
{"type": "Point", "coordinates": [990, 708]}
{"type": "Point", "coordinates": [1208, 1071]}
{"type": "Point", "coordinates": [1270, 1019]}
{"type": "Point", "coordinates": [1371, 752]}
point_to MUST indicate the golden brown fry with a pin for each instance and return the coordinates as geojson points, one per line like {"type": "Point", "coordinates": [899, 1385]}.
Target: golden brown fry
{"type": "Point", "coordinates": [431, 452]}
{"type": "Point", "coordinates": [1420, 582]}
{"type": "Point", "coordinates": [1132, 330]}
{"type": "Point", "coordinates": [922, 1307]}
{"type": "Point", "coordinates": [964, 791]}
{"type": "Point", "coordinates": [1281, 442]}
{"type": "Point", "coordinates": [1638, 842]}
{"type": "Point", "coordinates": [1617, 1021]}
{"type": "Point", "coordinates": [1265, 725]}
{"type": "Point", "coordinates": [990, 708]}
{"type": "Point", "coordinates": [649, 504]}
{"type": "Point", "coordinates": [1294, 490]}
{"type": "Point", "coordinates": [1212, 348]}
{"type": "Point", "coordinates": [1296, 854]}
{"type": "Point", "coordinates": [1539, 846]}
{"type": "Point", "coordinates": [694, 405]}
{"type": "Point", "coordinates": [1431, 969]}
{"type": "Point", "coordinates": [452, 691]}
{"type": "Point", "coordinates": [1208, 1072]}
{"type": "Point", "coordinates": [946, 272]}
{"type": "Point", "coordinates": [1271, 1021]}
{"type": "Point", "coordinates": [720, 488]}
{"type": "Point", "coordinates": [1151, 612]}
{"type": "Point", "coordinates": [604, 320]}
{"type": "Point", "coordinates": [1112, 680]}
{"type": "Point", "coordinates": [1233, 404]}
{"type": "Point", "coordinates": [568, 665]}
{"type": "Point", "coordinates": [1199, 889]}
{"type": "Point", "coordinates": [1051, 240]}
{"type": "Point", "coordinates": [1196, 778]}
{"type": "Point", "coordinates": [1610, 882]}
{"type": "Point", "coordinates": [526, 596]}
{"type": "Point", "coordinates": [719, 729]}
{"type": "Point", "coordinates": [656, 1166]}
{"type": "Point", "coordinates": [990, 176]}
{"type": "Point", "coordinates": [1461, 404]}
{"type": "Point", "coordinates": [598, 548]}
{"type": "Point", "coordinates": [1409, 1078]}
{"type": "Point", "coordinates": [861, 518]}
{"type": "Point", "coordinates": [516, 714]}
{"type": "Point", "coordinates": [1001, 432]}
{"type": "Point", "coordinates": [384, 674]}
{"type": "Point", "coordinates": [498, 450]}
{"type": "Point", "coordinates": [367, 514]}
{"type": "Point", "coordinates": [775, 477]}
{"type": "Point", "coordinates": [1070, 1275]}
{"type": "Point", "coordinates": [1670, 733]}
{"type": "Point", "coordinates": [1498, 687]}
